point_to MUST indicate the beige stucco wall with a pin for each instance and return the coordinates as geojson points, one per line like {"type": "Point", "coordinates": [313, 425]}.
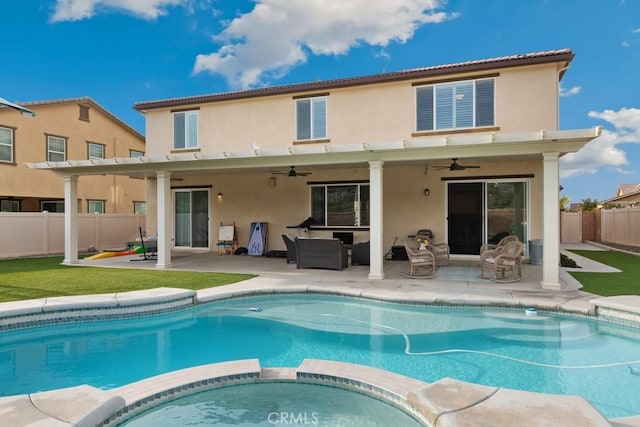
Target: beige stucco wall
{"type": "Point", "coordinates": [248, 198]}
{"type": "Point", "coordinates": [61, 119]}
{"type": "Point", "coordinates": [526, 100]}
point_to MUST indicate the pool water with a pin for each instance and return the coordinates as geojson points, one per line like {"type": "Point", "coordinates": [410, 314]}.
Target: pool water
{"type": "Point", "coordinates": [268, 404]}
{"type": "Point", "coordinates": [546, 353]}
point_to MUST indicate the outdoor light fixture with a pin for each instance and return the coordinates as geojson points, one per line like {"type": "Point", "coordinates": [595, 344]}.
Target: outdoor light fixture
{"type": "Point", "coordinates": [426, 192]}
{"type": "Point", "coordinates": [219, 196]}
{"type": "Point", "coordinates": [272, 181]}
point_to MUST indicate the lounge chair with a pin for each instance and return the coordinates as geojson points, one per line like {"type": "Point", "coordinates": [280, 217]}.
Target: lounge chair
{"type": "Point", "coordinates": [505, 264]}
{"type": "Point", "coordinates": [291, 248]}
{"type": "Point", "coordinates": [424, 259]}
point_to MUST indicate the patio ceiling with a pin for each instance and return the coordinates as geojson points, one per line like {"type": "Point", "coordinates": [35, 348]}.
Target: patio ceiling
{"type": "Point", "coordinates": [429, 150]}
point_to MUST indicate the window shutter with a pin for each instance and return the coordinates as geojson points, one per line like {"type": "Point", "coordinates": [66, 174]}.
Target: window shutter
{"type": "Point", "coordinates": [424, 108]}
{"type": "Point", "coordinates": [485, 102]}
{"type": "Point", "coordinates": [303, 107]}
{"type": "Point", "coordinates": [319, 118]}
{"type": "Point", "coordinates": [178, 130]}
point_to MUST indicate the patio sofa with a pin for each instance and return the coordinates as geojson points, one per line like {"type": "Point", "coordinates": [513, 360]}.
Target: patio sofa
{"type": "Point", "coordinates": [321, 253]}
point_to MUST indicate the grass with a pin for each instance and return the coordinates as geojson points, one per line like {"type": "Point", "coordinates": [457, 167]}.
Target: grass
{"type": "Point", "coordinates": [610, 284]}
{"type": "Point", "coordinates": [28, 278]}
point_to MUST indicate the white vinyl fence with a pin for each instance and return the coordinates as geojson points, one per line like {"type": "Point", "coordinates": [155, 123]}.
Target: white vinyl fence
{"type": "Point", "coordinates": [29, 234]}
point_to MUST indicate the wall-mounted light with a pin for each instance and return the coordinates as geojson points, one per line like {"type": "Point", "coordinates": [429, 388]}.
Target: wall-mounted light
{"type": "Point", "coordinates": [219, 196]}
{"type": "Point", "coordinates": [272, 181]}
{"type": "Point", "coordinates": [426, 192]}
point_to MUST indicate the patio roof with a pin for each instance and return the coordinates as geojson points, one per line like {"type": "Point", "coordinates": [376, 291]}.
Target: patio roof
{"type": "Point", "coordinates": [425, 148]}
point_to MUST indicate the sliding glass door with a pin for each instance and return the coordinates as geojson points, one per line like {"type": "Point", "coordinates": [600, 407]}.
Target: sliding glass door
{"type": "Point", "coordinates": [191, 218]}
{"type": "Point", "coordinates": [485, 211]}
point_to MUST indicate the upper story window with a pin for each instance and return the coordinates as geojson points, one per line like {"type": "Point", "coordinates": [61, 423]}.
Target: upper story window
{"type": "Point", "coordinates": [140, 207]}
{"type": "Point", "coordinates": [52, 205]}
{"type": "Point", "coordinates": [455, 105]}
{"type": "Point", "coordinates": [185, 129]}
{"type": "Point", "coordinates": [311, 118]}
{"type": "Point", "coordinates": [95, 150]}
{"type": "Point", "coordinates": [9, 205]}
{"type": "Point", "coordinates": [95, 206]}
{"type": "Point", "coordinates": [84, 112]}
{"type": "Point", "coordinates": [6, 145]}
{"type": "Point", "coordinates": [340, 205]}
{"type": "Point", "coordinates": [136, 153]}
{"type": "Point", "coordinates": [56, 149]}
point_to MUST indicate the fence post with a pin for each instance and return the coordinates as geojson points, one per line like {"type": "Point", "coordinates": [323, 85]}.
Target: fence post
{"type": "Point", "coordinates": [45, 233]}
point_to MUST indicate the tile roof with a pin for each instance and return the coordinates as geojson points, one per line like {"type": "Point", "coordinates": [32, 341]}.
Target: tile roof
{"type": "Point", "coordinates": [559, 55]}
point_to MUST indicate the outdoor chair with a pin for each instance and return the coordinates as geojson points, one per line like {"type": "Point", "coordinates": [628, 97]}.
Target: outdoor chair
{"type": "Point", "coordinates": [505, 264]}
{"type": "Point", "coordinates": [440, 250]}
{"type": "Point", "coordinates": [488, 250]}
{"type": "Point", "coordinates": [424, 259]}
{"type": "Point", "coordinates": [291, 248]}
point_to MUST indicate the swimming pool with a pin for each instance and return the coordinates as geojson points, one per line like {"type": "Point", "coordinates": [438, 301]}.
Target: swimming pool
{"type": "Point", "coordinates": [558, 354]}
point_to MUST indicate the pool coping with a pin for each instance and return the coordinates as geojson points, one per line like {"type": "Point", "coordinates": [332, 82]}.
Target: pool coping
{"type": "Point", "coordinates": [446, 402]}
{"type": "Point", "coordinates": [85, 405]}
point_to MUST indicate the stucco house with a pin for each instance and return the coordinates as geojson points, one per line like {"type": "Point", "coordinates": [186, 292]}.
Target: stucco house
{"type": "Point", "coordinates": [469, 150]}
{"type": "Point", "coordinates": [626, 195]}
{"type": "Point", "coordinates": [59, 131]}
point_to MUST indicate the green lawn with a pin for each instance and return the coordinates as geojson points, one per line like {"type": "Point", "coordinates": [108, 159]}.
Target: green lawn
{"type": "Point", "coordinates": [28, 278]}
{"type": "Point", "coordinates": [609, 284]}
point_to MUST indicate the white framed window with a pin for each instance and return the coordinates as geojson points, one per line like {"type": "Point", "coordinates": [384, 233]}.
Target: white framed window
{"type": "Point", "coordinates": [6, 145]}
{"type": "Point", "coordinates": [311, 118]}
{"type": "Point", "coordinates": [95, 150]}
{"type": "Point", "coordinates": [185, 129]}
{"type": "Point", "coordinates": [455, 105]}
{"type": "Point", "coordinates": [95, 206]}
{"type": "Point", "coordinates": [56, 149]}
{"type": "Point", "coordinates": [140, 207]}
{"type": "Point", "coordinates": [340, 205]}
{"type": "Point", "coordinates": [136, 153]}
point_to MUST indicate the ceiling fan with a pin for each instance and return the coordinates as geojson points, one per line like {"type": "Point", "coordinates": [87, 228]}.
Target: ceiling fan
{"type": "Point", "coordinates": [455, 166]}
{"type": "Point", "coordinates": [292, 173]}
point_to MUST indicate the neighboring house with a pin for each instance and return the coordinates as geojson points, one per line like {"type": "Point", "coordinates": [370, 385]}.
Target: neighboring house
{"type": "Point", "coordinates": [66, 130]}
{"type": "Point", "coordinates": [380, 151]}
{"type": "Point", "coordinates": [626, 195]}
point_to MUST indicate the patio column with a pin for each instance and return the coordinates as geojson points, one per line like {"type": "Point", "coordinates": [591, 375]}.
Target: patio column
{"type": "Point", "coordinates": [70, 220]}
{"type": "Point", "coordinates": [163, 201]}
{"type": "Point", "coordinates": [551, 222]}
{"type": "Point", "coordinates": [376, 254]}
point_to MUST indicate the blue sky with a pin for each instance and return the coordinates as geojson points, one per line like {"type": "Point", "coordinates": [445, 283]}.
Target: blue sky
{"type": "Point", "coordinates": [119, 52]}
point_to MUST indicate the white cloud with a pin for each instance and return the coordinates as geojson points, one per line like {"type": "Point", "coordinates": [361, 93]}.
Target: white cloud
{"type": "Point", "coordinates": [604, 152]}
{"type": "Point", "coordinates": [636, 31]}
{"type": "Point", "coordinates": [570, 92]}
{"type": "Point", "coordinates": [279, 34]}
{"type": "Point", "coordinates": [76, 10]}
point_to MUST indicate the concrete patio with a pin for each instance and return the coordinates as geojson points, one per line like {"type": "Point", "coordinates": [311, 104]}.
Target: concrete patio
{"type": "Point", "coordinates": [458, 283]}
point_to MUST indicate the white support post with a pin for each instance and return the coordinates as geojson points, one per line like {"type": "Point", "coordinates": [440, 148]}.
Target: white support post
{"type": "Point", "coordinates": [164, 219]}
{"type": "Point", "coordinates": [376, 255]}
{"type": "Point", "coordinates": [70, 220]}
{"type": "Point", "coordinates": [551, 222]}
